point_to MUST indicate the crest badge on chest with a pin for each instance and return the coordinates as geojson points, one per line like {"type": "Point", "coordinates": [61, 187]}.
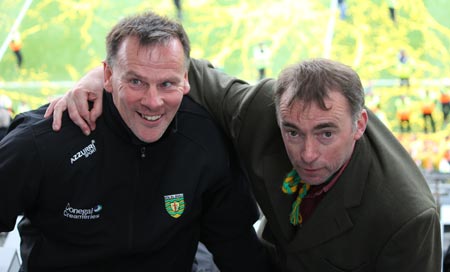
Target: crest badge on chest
{"type": "Point", "coordinates": [174, 205]}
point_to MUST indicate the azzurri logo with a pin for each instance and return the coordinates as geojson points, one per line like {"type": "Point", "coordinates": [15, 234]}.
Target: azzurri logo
{"type": "Point", "coordinates": [85, 152]}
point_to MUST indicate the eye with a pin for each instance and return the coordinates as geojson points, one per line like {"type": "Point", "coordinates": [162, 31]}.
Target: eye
{"type": "Point", "coordinates": [135, 81]}
{"type": "Point", "coordinates": [292, 133]}
{"type": "Point", "coordinates": [166, 84]}
{"type": "Point", "coordinates": [326, 137]}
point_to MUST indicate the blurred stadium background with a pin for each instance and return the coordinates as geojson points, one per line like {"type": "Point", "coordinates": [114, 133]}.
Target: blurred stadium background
{"type": "Point", "coordinates": [62, 40]}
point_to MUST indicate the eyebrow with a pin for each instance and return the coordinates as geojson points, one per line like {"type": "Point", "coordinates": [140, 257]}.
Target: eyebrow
{"type": "Point", "coordinates": [288, 125]}
{"type": "Point", "coordinates": [317, 127]}
{"type": "Point", "coordinates": [131, 74]}
{"type": "Point", "coordinates": [170, 78]}
{"type": "Point", "coordinates": [325, 125]}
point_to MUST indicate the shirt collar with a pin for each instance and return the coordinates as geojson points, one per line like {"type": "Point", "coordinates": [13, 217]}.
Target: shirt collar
{"type": "Point", "coordinates": [326, 186]}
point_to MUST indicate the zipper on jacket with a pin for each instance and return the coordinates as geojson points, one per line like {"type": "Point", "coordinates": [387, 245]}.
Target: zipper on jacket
{"type": "Point", "coordinates": [139, 165]}
{"type": "Point", "coordinates": [143, 155]}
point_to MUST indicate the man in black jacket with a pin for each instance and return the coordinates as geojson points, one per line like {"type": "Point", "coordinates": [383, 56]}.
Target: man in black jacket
{"type": "Point", "coordinates": [138, 194]}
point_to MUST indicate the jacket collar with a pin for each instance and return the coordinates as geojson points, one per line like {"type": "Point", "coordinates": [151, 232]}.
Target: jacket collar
{"type": "Point", "coordinates": [330, 218]}
{"type": "Point", "coordinates": [118, 126]}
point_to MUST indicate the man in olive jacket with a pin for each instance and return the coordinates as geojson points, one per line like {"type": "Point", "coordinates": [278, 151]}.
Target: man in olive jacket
{"type": "Point", "coordinates": [379, 216]}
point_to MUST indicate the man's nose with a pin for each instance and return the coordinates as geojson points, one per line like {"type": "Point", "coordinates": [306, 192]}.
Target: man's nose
{"type": "Point", "coordinates": [152, 98]}
{"type": "Point", "coordinates": [309, 151]}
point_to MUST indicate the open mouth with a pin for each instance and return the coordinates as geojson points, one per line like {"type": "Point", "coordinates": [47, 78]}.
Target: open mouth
{"type": "Point", "coordinates": [151, 117]}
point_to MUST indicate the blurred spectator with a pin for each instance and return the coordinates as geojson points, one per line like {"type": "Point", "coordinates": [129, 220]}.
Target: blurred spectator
{"type": "Point", "coordinates": [380, 114]}
{"type": "Point", "coordinates": [261, 55]}
{"type": "Point", "coordinates": [427, 107]}
{"type": "Point", "coordinates": [444, 154]}
{"type": "Point", "coordinates": [342, 9]}
{"type": "Point", "coordinates": [430, 161]}
{"type": "Point", "coordinates": [178, 7]}
{"type": "Point", "coordinates": [5, 120]}
{"type": "Point", "coordinates": [404, 68]}
{"type": "Point", "coordinates": [16, 47]}
{"type": "Point", "coordinates": [373, 102]}
{"type": "Point", "coordinates": [403, 108]}
{"type": "Point", "coordinates": [414, 145]}
{"type": "Point", "coordinates": [445, 106]}
{"type": "Point", "coordinates": [392, 5]}
{"type": "Point", "coordinates": [6, 103]}
{"type": "Point", "coordinates": [23, 107]}
{"type": "Point", "coordinates": [444, 163]}
{"type": "Point", "coordinates": [402, 58]}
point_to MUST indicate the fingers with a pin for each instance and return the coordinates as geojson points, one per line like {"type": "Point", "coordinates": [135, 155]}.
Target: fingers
{"type": "Point", "coordinates": [96, 111]}
{"type": "Point", "coordinates": [51, 107]}
{"type": "Point", "coordinates": [76, 102]}
{"type": "Point", "coordinates": [57, 116]}
{"type": "Point", "coordinates": [58, 106]}
{"type": "Point", "coordinates": [78, 109]}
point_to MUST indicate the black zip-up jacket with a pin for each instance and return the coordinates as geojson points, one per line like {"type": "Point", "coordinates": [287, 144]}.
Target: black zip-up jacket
{"type": "Point", "coordinates": [109, 202]}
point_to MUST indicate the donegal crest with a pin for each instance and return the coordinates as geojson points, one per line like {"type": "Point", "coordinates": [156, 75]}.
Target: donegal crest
{"type": "Point", "coordinates": [174, 205]}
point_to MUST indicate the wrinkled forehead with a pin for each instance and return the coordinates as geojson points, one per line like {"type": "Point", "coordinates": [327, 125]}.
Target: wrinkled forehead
{"type": "Point", "coordinates": [171, 48]}
{"type": "Point", "coordinates": [307, 97]}
{"type": "Point", "coordinates": [291, 101]}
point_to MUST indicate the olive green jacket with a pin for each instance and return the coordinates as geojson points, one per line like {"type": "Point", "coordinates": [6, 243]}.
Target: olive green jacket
{"type": "Point", "coordinates": [379, 216]}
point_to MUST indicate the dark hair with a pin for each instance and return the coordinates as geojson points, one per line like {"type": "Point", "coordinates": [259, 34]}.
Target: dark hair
{"type": "Point", "coordinates": [311, 81]}
{"type": "Point", "coordinates": [149, 28]}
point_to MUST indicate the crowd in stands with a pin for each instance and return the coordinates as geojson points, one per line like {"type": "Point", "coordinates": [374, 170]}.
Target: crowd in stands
{"type": "Point", "coordinates": [419, 119]}
{"type": "Point", "coordinates": [8, 109]}
{"type": "Point", "coordinates": [6, 114]}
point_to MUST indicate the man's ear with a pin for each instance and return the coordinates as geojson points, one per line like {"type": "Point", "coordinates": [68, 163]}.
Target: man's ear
{"type": "Point", "coordinates": [361, 124]}
{"type": "Point", "coordinates": [186, 86]}
{"type": "Point", "coordinates": [107, 77]}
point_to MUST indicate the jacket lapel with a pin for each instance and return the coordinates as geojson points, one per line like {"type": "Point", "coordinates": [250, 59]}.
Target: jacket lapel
{"type": "Point", "coordinates": [280, 203]}
{"type": "Point", "coordinates": [329, 220]}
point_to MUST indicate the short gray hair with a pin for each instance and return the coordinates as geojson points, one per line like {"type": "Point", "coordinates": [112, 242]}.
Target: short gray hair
{"type": "Point", "coordinates": [149, 28]}
{"type": "Point", "coordinates": [311, 81]}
